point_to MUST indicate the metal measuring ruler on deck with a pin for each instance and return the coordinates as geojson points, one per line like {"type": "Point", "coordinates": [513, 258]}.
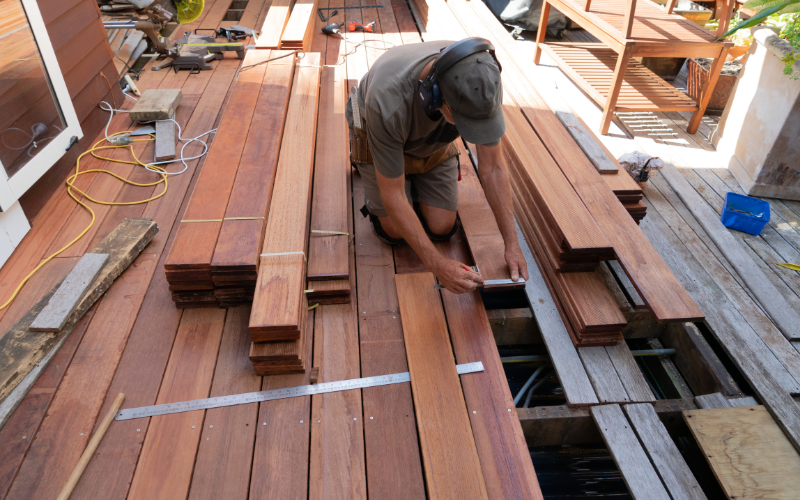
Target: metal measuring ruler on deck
{"type": "Point", "coordinates": [289, 392]}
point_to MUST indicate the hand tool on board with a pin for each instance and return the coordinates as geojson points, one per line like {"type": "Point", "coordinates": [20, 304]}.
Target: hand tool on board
{"type": "Point", "coordinates": [193, 52]}
{"type": "Point", "coordinates": [506, 281]}
{"type": "Point", "coordinates": [289, 392]}
{"type": "Point", "coordinates": [66, 491]}
{"type": "Point", "coordinates": [333, 29]}
{"type": "Point", "coordinates": [354, 26]}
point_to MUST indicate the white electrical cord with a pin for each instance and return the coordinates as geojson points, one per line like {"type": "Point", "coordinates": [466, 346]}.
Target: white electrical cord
{"type": "Point", "coordinates": [182, 159]}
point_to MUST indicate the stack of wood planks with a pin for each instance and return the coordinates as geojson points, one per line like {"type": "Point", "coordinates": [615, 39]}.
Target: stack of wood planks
{"type": "Point", "coordinates": [214, 258]}
{"type": "Point", "coordinates": [572, 216]}
{"type": "Point", "coordinates": [288, 29]}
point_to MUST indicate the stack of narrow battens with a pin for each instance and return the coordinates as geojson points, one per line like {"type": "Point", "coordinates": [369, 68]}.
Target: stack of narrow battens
{"type": "Point", "coordinates": [571, 216]}
{"type": "Point", "coordinates": [278, 318]}
{"type": "Point", "coordinates": [214, 256]}
{"type": "Point", "coordinates": [330, 238]}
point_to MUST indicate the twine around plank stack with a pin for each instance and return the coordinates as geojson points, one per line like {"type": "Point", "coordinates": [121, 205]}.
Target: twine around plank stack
{"type": "Point", "coordinates": [278, 320]}
{"type": "Point", "coordinates": [214, 257]}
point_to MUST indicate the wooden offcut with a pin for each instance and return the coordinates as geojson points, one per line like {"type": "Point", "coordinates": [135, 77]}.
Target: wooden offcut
{"type": "Point", "coordinates": [452, 467]}
{"type": "Point", "coordinates": [274, 24]}
{"type": "Point", "coordinates": [21, 349]}
{"type": "Point", "coordinates": [165, 140]}
{"type": "Point", "coordinates": [156, 104]}
{"type": "Point", "coordinates": [750, 456]}
{"type": "Point", "coordinates": [56, 313]}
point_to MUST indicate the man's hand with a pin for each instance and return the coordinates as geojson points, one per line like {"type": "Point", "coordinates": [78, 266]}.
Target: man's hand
{"type": "Point", "coordinates": [457, 277]}
{"type": "Point", "coordinates": [516, 262]}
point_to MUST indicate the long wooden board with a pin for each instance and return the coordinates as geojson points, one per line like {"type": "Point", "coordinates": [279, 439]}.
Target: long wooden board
{"type": "Point", "coordinates": [274, 24]}
{"type": "Point", "coordinates": [750, 456]}
{"type": "Point", "coordinates": [279, 294]}
{"type": "Point", "coordinates": [637, 471]}
{"type": "Point", "coordinates": [329, 240]}
{"type": "Point", "coordinates": [567, 363]}
{"type": "Point", "coordinates": [452, 466]}
{"type": "Point", "coordinates": [502, 450]}
{"type": "Point", "coordinates": [661, 449]}
{"type": "Point", "coordinates": [168, 455]}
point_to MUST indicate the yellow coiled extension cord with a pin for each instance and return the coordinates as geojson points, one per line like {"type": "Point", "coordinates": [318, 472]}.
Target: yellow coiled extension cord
{"type": "Point", "coordinates": [71, 190]}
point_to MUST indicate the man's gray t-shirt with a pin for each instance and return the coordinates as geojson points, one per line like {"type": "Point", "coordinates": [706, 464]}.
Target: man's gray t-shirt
{"type": "Point", "coordinates": [396, 123]}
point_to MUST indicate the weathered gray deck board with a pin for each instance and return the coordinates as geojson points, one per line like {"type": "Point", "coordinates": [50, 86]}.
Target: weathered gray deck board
{"type": "Point", "coordinates": [629, 373]}
{"type": "Point", "coordinates": [603, 375]}
{"type": "Point", "coordinates": [571, 372]}
{"type": "Point", "coordinates": [709, 401]}
{"type": "Point", "coordinates": [668, 461]}
{"type": "Point", "coordinates": [636, 469]}
{"type": "Point", "coordinates": [777, 307]}
{"type": "Point", "coordinates": [57, 311]}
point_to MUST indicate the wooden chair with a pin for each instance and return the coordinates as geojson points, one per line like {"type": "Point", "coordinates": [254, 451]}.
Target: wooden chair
{"type": "Point", "coordinates": [606, 70]}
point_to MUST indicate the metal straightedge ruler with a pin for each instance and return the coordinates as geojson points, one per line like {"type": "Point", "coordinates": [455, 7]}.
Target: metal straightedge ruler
{"type": "Point", "coordinates": [486, 283]}
{"type": "Point", "coordinates": [289, 392]}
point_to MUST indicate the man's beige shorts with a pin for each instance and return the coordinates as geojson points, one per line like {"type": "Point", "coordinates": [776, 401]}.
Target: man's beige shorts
{"type": "Point", "coordinates": [437, 187]}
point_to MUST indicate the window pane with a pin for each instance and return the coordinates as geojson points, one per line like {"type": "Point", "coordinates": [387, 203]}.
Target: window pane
{"type": "Point", "coordinates": [29, 114]}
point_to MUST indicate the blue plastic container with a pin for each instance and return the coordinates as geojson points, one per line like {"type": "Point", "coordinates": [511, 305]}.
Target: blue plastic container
{"type": "Point", "coordinates": [745, 214]}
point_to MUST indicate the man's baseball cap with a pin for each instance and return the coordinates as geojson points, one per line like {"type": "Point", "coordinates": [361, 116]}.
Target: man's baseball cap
{"type": "Point", "coordinates": [473, 89]}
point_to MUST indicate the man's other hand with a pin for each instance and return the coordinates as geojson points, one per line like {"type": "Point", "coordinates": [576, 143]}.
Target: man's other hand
{"type": "Point", "coordinates": [457, 277]}
{"type": "Point", "coordinates": [516, 262]}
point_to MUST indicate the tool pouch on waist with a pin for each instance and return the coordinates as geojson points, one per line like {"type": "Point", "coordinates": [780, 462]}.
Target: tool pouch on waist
{"type": "Point", "coordinates": [414, 165]}
{"type": "Point", "coordinates": [359, 149]}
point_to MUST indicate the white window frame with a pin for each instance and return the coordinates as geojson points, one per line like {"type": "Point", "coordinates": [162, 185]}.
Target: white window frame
{"type": "Point", "coordinates": [11, 189]}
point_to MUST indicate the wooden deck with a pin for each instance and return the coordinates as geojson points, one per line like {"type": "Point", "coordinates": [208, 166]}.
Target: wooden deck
{"type": "Point", "coordinates": [365, 443]}
{"type": "Point", "coordinates": [135, 341]}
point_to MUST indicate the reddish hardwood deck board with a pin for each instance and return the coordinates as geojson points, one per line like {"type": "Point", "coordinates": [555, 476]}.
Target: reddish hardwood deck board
{"type": "Point", "coordinates": [274, 24]}
{"type": "Point", "coordinates": [480, 226]}
{"type": "Point", "coordinates": [451, 464]}
{"type": "Point", "coordinates": [337, 464]}
{"type": "Point", "coordinates": [165, 465]}
{"type": "Point", "coordinates": [281, 453]}
{"type": "Point", "coordinates": [503, 452]}
{"type": "Point", "coordinates": [658, 287]}
{"type": "Point", "coordinates": [328, 253]}
{"type": "Point", "coordinates": [19, 430]}
{"type": "Point", "coordinates": [394, 467]}
{"type": "Point", "coordinates": [287, 224]}
{"type": "Point", "coordinates": [76, 404]}
{"type": "Point", "coordinates": [210, 196]}
{"type": "Point", "coordinates": [297, 33]}
{"type": "Point", "coordinates": [132, 377]}
{"type": "Point", "coordinates": [240, 240]}
{"type": "Point", "coordinates": [222, 467]}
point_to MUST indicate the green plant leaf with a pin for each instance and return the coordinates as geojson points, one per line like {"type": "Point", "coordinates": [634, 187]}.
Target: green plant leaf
{"type": "Point", "coordinates": [758, 18]}
{"type": "Point", "coordinates": [757, 5]}
{"type": "Point", "coordinates": [795, 7]}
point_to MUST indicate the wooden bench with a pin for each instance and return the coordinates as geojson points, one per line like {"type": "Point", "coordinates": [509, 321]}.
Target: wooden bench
{"type": "Point", "coordinates": [608, 73]}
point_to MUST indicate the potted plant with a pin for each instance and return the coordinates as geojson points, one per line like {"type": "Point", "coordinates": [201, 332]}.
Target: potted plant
{"type": "Point", "coordinates": [758, 133]}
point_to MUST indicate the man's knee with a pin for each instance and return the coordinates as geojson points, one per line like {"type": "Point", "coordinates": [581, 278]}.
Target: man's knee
{"type": "Point", "coordinates": [439, 223]}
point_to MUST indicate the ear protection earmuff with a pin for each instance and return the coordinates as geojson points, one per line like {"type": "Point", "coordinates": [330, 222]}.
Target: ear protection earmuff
{"type": "Point", "coordinates": [429, 93]}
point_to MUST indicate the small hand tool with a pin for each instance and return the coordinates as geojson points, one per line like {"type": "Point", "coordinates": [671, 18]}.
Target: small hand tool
{"type": "Point", "coordinates": [354, 26]}
{"type": "Point", "coordinates": [333, 29]}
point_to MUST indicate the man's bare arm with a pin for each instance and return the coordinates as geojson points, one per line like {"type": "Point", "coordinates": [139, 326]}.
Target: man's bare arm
{"type": "Point", "coordinates": [497, 187]}
{"type": "Point", "coordinates": [451, 274]}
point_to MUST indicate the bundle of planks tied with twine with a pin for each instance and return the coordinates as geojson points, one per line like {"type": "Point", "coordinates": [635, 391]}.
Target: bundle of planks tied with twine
{"type": "Point", "coordinates": [307, 240]}
{"type": "Point", "coordinates": [252, 231]}
{"type": "Point", "coordinates": [571, 216]}
{"type": "Point", "coordinates": [214, 257]}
